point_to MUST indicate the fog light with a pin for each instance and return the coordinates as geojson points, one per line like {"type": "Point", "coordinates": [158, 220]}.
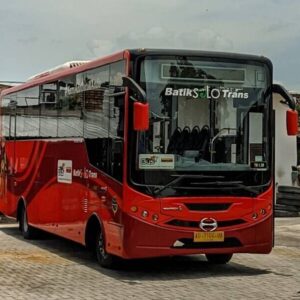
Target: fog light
{"type": "Point", "coordinates": [263, 211]}
{"type": "Point", "coordinates": [134, 208]}
{"type": "Point", "coordinates": [178, 244]}
{"type": "Point", "coordinates": [155, 217]}
{"type": "Point", "coordinates": [145, 214]}
{"type": "Point", "coordinates": [254, 216]}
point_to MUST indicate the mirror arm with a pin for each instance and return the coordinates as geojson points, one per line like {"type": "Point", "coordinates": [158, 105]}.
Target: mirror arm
{"type": "Point", "coordinates": [130, 83]}
{"type": "Point", "coordinates": [116, 94]}
{"type": "Point", "coordinates": [278, 89]}
{"type": "Point", "coordinates": [133, 99]}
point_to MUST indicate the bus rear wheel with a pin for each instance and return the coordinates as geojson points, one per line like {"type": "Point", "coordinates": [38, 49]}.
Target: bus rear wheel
{"type": "Point", "coordinates": [218, 259]}
{"type": "Point", "coordinates": [105, 259]}
{"type": "Point", "coordinates": [27, 231]}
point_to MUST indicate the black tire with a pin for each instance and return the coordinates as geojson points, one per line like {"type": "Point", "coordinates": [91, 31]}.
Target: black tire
{"type": "Point", "coordinates": [290, 208]}
{"type": "Point", "coordinates": [288, 189]}
{"type": "Point", "coordinates": [218, 259]}
{"type": "Point", "coordinates": [291, 196]}
{"type": "Point", "coordinates": [105, 259]}
{"type": "Point", "coordinates": [28, 232]}
{"type": "Point", "coordinates": [289, 202]}
{"type": "Point", "coordinates": [286, 214]}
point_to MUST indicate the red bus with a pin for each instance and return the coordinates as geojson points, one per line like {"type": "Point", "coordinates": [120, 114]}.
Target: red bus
{"type": "Point", "coordinates": [145, 153]}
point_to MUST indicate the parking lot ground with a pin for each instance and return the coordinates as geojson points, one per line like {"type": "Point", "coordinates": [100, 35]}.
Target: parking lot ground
{"type": "Point", "coordinates": [54, 268]}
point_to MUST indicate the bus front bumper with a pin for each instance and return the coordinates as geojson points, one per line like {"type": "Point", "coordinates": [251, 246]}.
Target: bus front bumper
{"type": "Point", "coordinates": [142, 240]}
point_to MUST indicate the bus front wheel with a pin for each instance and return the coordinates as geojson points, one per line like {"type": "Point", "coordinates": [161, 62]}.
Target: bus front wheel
{"type": "Point", "coordinates": [218, 259]}
{"type": "Point", "coordinates": [105, 259]}
{"type": "Point", "coordinates": [27, 231]}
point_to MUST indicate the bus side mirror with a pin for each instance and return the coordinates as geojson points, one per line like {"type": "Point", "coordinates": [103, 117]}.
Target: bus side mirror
{"type": "Point", "coordinates": [140, 105]}
{"type": "Point", "coordinates": [292, 122]}
{"type": "Point", "coordinates": [140, 116]}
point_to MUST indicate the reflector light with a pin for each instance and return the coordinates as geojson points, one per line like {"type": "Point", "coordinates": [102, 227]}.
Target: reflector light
{"type": "Point", "coordinates": [155, 217]}
{"type": "Point", "coordinates": [263, 211]}
{"type": "Point", "coordinates": [145, 214]}
{"type": "Point", "coordinates": [134, 208]}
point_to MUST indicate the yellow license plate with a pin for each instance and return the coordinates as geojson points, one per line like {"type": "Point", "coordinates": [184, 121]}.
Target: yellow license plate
{"type": "Point", "coordinates": [209, 236]}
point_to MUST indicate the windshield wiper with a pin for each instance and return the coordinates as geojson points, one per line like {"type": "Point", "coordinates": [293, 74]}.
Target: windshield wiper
{"type": "Point", "coordinates": [184, 176]}
{"type": "Point", "coordinates": [235, 184]}
{"type": "Point", "coordinates": [238, 184]}
{"type": "Point", "coordinates": [245, 187]}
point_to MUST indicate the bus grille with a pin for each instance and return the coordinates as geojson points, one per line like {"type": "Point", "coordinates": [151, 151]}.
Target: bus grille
{"type": "Point", "coordinates": [195, 224]}
{"type": "Point", "coordinates": [207, 206]}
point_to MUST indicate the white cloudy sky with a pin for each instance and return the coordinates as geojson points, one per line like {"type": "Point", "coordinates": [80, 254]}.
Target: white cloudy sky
{"type": "Point", "coordinates": [38, 34]}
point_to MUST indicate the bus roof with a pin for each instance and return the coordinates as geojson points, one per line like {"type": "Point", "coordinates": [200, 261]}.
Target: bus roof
{"type": "Point", "coordinates": [185, 52]}
{"type": "Point", "coordinates": [43, 78]}
{"type": "Point", "coordinates": [65, 66]}
{"type": "Point", "coordinates": [65, 72]}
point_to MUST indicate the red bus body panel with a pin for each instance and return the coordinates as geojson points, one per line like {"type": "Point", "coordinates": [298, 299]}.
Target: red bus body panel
{"type": "Point", "coordinates": [64, 209]}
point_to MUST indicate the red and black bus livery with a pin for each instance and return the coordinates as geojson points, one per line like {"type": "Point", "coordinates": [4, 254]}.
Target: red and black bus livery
{"type": "Point", "coordinates": [145, 153]}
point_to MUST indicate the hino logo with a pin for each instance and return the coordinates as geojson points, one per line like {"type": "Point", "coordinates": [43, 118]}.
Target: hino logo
{"type": "Point", "coordinates": [208, 224]}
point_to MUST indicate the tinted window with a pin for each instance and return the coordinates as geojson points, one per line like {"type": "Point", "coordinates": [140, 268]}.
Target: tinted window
{"type": "Point", "coordinates": [48, 108]}
{"type": "Point", "coordinates": [96, 110]}
{"type": "Point", "coordinates": [28, 111]}
{"type": "Point", "coordinates": [96, 102]}
{"type": "Point", "coordinates": [89, 104]}
{"type": "Point", "coordinates": [70, 116]}
{"type": "Point", "coordinates": [8, 113]}
{"type": "Point", "coordinates": [104, 117]}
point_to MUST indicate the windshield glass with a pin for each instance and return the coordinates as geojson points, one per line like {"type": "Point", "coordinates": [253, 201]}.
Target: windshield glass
{"type": "Point", "coordinates": [210, 127]}
{"type": "Point", "coordinates": [205, 115]}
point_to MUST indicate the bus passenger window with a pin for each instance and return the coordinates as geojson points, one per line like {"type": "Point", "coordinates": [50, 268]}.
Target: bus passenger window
{"type": "Point", "coordinates": [96, 115]}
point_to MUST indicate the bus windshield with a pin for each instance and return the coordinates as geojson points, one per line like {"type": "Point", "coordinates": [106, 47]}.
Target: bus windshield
{"type": "Point", "coordinates": [206, 115]}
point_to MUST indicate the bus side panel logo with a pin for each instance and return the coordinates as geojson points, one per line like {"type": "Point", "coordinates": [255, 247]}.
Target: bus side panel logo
{"type": "Point", "coordinates": [64, 171]}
